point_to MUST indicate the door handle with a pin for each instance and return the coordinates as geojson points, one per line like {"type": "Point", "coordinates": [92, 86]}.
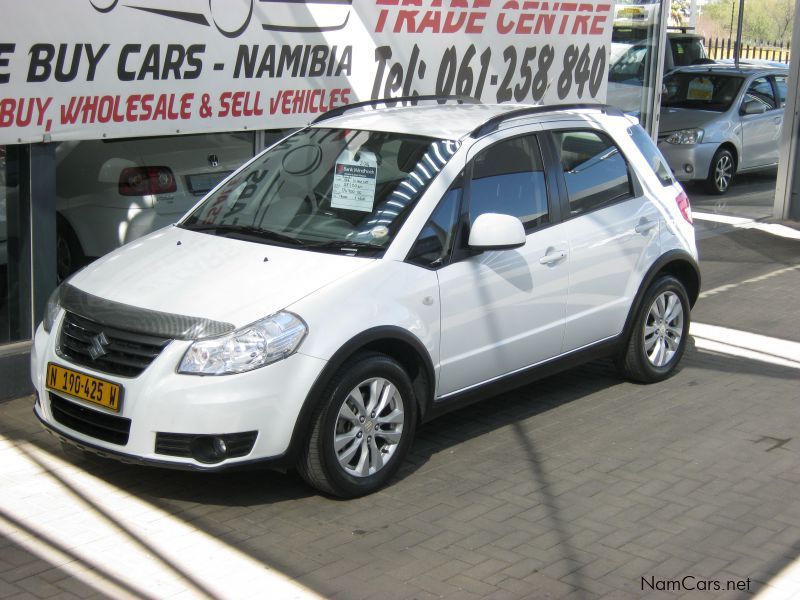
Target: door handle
{"type": "Point", "coordinates": [644, 227]}
{"type": "Point", "coordinates": [553, 257]}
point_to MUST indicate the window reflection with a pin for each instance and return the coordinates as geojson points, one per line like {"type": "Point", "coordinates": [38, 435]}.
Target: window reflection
{"type": "Point", "coordinates": [635, 40]}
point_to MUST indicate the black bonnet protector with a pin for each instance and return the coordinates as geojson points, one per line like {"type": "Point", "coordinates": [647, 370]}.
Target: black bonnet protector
{"type": "Point", "coordinates": [142, 320]}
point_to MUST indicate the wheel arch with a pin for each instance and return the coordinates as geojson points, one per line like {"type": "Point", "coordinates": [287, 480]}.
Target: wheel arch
{"type": "Point", "coordinates": [395, 342]}
{"type": "Point", "coordinates": [679, 264]}
{"type": "Point", "coordinates": [730, 147]}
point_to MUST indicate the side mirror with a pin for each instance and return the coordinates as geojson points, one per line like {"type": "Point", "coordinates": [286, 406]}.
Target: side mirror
{"type": "Point", "coordinates": [753, 107]}
{"type": "Point", "coordinates": [492, 231]}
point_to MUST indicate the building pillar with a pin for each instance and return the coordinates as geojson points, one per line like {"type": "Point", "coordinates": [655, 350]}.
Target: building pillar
{"type": "Point", "coordinates": [787, 187]}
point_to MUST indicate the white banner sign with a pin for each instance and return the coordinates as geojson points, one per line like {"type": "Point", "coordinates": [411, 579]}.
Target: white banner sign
{"type": "Point", "coordinates": [84, 69]}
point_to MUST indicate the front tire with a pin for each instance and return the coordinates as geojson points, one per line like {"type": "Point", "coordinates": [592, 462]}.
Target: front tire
{"type": "Point", "coordinates": [720, 174]}
{"type": "Point", "coordinates": [362, 429]}
{"type": "Point", "coordinates": [658, 338]}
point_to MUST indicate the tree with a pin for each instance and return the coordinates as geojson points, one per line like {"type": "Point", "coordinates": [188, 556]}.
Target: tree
{"type": "Point", "coordinates": [763, 19]}
{"type": "Point", "coordinates": [679, 12]}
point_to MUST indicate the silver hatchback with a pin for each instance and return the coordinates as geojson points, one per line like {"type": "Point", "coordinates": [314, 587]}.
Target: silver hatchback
{"type": "Point", "coordinates": [718, 120]}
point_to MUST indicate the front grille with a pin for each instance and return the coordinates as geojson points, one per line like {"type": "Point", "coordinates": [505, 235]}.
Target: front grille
{"type": "Point", "coordinates": [93, 423]}
{"type": "Point", "coordinates": [127, 353]}
{"type": "Point", "coordinates": [183, 444]}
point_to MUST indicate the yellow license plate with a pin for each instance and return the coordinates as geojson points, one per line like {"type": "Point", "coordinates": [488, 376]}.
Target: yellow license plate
{"type": "Point", "coordinates": [83, 386]}
{"type": "Point", "coordinates": [630, 12]}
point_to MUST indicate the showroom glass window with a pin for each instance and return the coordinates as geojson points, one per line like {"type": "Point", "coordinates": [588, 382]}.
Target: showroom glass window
{"type": "Point", "coordinates": [14, 286]}
{"type": "Point", "coordinates": [637, 34]}
{"type": "Point", "coordinates": [110, 192]}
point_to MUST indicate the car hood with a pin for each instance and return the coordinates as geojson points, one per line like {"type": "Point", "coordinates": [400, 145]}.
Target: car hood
{"type": "Point", "coordinates": [199, 275]}
{"type": "Point", "coordinates": [672, 119]}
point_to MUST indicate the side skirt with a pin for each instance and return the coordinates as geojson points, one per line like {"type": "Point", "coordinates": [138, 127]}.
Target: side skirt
{"type": "Point", "coordinates": [441, 406]}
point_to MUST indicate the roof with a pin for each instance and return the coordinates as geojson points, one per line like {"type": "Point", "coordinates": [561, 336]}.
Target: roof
{"type": "Point", "coordinates": [447, 121]}
{"type": "Point", "coordinates": [731, 69]}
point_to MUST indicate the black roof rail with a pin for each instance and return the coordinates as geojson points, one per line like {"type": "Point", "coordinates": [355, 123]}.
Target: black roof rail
{"type": "Point", "coordinates": [340, 110]}
{"type": "Point", "coordinates": [493, 123]}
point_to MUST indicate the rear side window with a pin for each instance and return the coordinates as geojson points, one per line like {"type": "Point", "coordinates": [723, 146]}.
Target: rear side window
{"type": "Point", "coordinates": [780, 83]}
{"type": "Point", "coordinates": [508, 178]}
{"type": "Point", "coordinates": [594, 169]}
{"type": "Point", "coordinates": [653, 155]}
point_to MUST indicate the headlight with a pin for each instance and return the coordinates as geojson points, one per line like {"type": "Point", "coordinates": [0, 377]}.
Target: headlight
{"type": "Point", "coordinates": [51, 310]}
{"type": "Point", "coordinates": [685, 136]}
{"type": "Point", "coordinates": [253, 346]}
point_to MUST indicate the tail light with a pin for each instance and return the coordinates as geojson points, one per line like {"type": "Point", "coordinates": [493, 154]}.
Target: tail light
{"type": "Point", "coordinates": [684, 206]}
{"type": "Point", "coordinates": [146, 181]}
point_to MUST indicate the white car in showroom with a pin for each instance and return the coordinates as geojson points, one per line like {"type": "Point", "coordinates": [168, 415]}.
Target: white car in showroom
{"type": "Point", "coordinates": [367, 273]}
{"type": "Point", "coordinates": [110, 192]}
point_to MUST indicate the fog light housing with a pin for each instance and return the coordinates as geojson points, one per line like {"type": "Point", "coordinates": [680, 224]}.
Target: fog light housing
{"type": "Point", "coordinates": [207, 449]}
{"type": "Point", "coordinates": [688, 168]}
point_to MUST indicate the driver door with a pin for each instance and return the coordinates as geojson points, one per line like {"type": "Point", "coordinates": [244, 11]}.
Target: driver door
{"type": "Point", "coordinates": [503, 310]}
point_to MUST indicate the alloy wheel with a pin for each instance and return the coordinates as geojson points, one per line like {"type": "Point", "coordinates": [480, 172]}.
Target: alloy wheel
{"type": "Point", "coordinates": [369, 427]}
{"type": "Point", "coordinates": [723, 172]}
{"type": "Point", "coordinates": [663, 328]}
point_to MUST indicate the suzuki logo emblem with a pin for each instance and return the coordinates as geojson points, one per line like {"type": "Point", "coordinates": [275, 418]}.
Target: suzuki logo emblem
{"type": "Point", "coordinates": [97, 347]}
{"type": "Point", "coordinates": [213, 160]}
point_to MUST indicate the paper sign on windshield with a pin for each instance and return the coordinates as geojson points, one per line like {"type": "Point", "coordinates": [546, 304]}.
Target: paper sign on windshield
{"type": "Point", "coordinates": [354, 183]}
{"type": "Point", "coordinates": [700, 88]}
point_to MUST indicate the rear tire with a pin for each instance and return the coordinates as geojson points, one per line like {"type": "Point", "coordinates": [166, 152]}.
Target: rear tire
{"type": "Point", "coordinates": [362, 429]}
{"type": "Point", "coordinates": [69, 254]}
{"type": "Point", "coordinates": [658, 338]}
{"type": "Point", "coordinates": [720, 174]}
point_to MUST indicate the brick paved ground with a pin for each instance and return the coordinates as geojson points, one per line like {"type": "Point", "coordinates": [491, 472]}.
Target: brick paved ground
{"type": "Point", "coordinates": [577, 486]}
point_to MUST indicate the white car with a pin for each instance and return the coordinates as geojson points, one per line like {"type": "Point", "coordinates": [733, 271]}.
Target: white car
{"type": "Point", "coordinates": [373, 271]}
{"type": "Point", "coordinates": [110, 192]}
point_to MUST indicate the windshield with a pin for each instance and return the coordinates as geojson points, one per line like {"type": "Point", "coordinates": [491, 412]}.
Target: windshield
{"type": "Point", "coordinates": [704, 91]}
{"type": "Point", "coordinates": [337, 190]}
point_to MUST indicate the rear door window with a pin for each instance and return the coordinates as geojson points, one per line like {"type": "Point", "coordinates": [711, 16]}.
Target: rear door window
{"type": "Point", "coordinates": [653, 155]}
{"type": "Point", "coordinates": [761, 91]}
{"type": "Point", "coordinates": [595, 171]}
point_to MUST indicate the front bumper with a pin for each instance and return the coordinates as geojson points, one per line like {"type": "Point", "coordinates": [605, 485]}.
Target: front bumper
{"type": "Point", "coordinates": [267, 400]}
{"type": "Point", "coordinates": [690, 161]}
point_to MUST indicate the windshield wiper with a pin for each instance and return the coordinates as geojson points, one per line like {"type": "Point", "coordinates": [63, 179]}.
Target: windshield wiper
{"type": "Point", "coordinates": [345, 245]}
{"type": "Point", "coordinates": [247, 230]}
